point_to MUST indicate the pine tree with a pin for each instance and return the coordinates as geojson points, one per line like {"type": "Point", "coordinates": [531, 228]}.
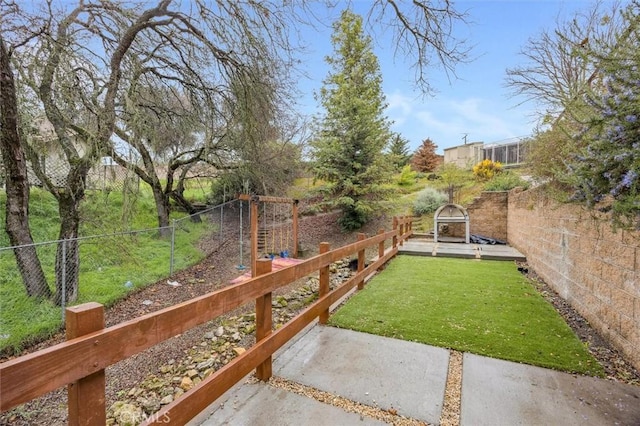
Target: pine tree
{"type": "Point", "coordinates": [354, 130]}
{"type": "Point", "coordinates": [399, 152]}
{"type": "Point", "coordinates": [425, 158]}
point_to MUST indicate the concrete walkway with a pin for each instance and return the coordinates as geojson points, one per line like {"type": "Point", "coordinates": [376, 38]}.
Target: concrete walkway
{"type": "Point", "coordinates": [410, 378]}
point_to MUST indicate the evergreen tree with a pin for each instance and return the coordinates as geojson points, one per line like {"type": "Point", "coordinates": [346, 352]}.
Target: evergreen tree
{"type": "Point", "coordinates": [399, 152]}
{"type": "Point", "coordinates": [425, 158]}
{"type": "Point", "coordinates": [354, 130]}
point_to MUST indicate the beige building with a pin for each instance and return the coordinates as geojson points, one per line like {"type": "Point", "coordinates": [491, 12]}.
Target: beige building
{"type": "Point", "coordinates": [465, 156]}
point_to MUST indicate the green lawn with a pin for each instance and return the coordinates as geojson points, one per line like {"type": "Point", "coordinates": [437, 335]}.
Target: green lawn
{"type": "Point", "coordinates": [483, 307]}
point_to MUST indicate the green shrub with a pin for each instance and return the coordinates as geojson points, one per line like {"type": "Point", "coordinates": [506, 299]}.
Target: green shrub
{"type": "Point", "coordinates": [407, 176]}
{"type": "Point", "coordinates": [505, 181]}
{"type": "Point", "coordinates": [428, 201]}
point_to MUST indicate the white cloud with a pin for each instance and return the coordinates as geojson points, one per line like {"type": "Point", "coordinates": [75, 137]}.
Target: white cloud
{"type": "Point", "coordinates": [399, 107]}
{"type": "Point", "coordinates": [446, 121]}
{"type": "Point", "coordinates": [397, 100]}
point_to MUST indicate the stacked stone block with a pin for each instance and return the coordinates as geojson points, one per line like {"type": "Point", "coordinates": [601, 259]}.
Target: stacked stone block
{"type": "Point", "coordinates": [488, 215]}
{"type": "Point", "coordinates": [593, 267]}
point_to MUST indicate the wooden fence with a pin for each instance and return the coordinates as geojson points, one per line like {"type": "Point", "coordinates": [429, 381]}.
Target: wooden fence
{"type": "Point", "coordinates": [79, 362]}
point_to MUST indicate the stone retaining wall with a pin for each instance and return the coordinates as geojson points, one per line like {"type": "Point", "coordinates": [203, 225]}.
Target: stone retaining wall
{"type": "Point", "coordinates": [595, 269]}
{"type": "Point", "coordinates": [488, 215]}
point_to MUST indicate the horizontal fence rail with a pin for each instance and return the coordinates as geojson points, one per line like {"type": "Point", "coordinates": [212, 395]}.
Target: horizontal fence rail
{"type": "Point", "coordinates": [80, 361]}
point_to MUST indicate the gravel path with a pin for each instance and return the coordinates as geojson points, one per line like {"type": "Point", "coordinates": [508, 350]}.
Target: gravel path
{"type": "Point", "coordinates": [389, 416]}
{"type": "Point", "coordinates": [453, 391]}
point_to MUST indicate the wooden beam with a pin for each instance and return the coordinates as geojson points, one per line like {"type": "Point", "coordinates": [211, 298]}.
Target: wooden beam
{"type": "Point", "coordinates": [361, 237]}
{"type": "Point", "coordinates": [266, 199]}
{"type": "Point", "coordinates": [197, 399]}
{"type": "Point", "coordinates": [35, 374]}
{"type": "Point", "coordinates": [263, 319]}
{"type": "Point", "coordinates": [324, 283]}
{"type": "Point", "coordinates": [86, 397]}
{"type": "Point", "coordinates": [395, 230]}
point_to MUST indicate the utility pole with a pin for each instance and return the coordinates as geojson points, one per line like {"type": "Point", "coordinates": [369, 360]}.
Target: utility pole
{"type": "Point", "coordinates": [464, 137]}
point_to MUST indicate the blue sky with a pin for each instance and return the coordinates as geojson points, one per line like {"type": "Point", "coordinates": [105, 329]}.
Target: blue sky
{"type": "Point", "coordinates": [477, 103]}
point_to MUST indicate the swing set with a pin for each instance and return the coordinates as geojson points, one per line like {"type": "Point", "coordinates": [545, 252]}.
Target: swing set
{"type": "Point", "coordinates": [273, 234]}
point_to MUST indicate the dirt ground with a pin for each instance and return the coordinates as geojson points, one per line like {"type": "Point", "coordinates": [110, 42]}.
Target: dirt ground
{"type": "Point", "coordinates": [214, 272]}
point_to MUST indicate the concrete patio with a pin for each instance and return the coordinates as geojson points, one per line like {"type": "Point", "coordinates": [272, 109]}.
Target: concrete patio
{"type": "Point", "coordinates": [410, 378]}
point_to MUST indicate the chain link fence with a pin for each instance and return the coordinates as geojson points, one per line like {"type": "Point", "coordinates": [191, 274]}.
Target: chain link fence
{"type": "Point", "coordinates": [106, 175]}
{"type": "Point", "coordinates": [103, 268]}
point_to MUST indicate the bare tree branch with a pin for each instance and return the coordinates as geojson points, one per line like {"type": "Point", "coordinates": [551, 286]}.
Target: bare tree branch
{"type": "Point", "coordinates": [558, 69]}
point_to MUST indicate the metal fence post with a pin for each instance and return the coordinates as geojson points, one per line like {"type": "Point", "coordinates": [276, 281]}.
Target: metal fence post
{"type": "Point", "coordinates": [221, 220]}
{"type": "Point", "coordinates": [63, 278]}
{"type": "Point", "coordinates": [224, 200]}
{"type": "Point", "coordinates": [173, 245]}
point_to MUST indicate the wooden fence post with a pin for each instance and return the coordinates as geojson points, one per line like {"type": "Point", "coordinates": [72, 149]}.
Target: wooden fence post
{"type": "Point", "coordinates": [87, 395]}
{"type": "Point", "coordinates": [395, 228]}
{"type": "Point", "coordinates": [361, 237]}
{"type": "Point", "coordinates": [401, 230]}
{"type": "Point", "coordinates": [263, 319]}
{"type": "Point", "coordinates": [324, 284]}
{"type": "Point", "coordinates": [380, 245]}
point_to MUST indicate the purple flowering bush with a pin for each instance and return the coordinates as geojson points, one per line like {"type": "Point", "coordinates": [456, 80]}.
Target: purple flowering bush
{"type": "Point", "coordinates": [609, 167]}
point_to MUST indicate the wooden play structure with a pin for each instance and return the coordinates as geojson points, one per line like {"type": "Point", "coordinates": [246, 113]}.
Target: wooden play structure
{"type": "Point", "coordinates": [277, 236]}
{"type": "Point", "coordinates": [80, 362]}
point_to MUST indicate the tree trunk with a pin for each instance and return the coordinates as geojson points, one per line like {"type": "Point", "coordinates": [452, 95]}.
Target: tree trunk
{"type": "Point", "coordinates": [178, 193]}
{"type": "Point", "coordinates": [17, 184]}
{"type": "Point", "coordinates": [162, 207]}
{"type": "Point", "coordinates": [182, 202]}
{"type": "Point", "coordinates": [68, 253]}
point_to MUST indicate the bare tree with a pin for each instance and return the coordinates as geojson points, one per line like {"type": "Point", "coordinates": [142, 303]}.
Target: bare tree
{"type": "Point", "coordinates": [82, 60]}
{"type": "Point", "coordinates": [160, 123]}
{"type": "Point", "coordinates": [261, 131]}
{"type": "Point", "coordinates": [424, 32]}
{"type": "Point", "coordinates": [558, 69]}
{"type": "Point", "coordinates": [81, 67]}
{"type": "Point", "coordinates": [17, 182]}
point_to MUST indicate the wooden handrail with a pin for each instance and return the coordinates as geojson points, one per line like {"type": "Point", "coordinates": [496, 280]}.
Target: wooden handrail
{"type": "Point", "coordinates": [197, 399]}
{"type": "Point", "coordinates": [30, 376]}
{"type": "Point", "coordinates": [267, 199]}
